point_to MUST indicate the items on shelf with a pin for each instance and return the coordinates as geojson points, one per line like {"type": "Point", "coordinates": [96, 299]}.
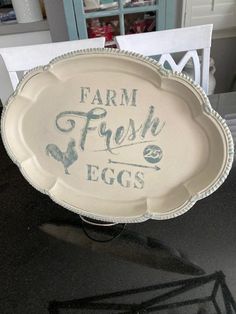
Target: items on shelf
{"type": "Point", "coordinates": [138, 3]}
{"type": "Point", "coordinates": [140, 23]}
{"type": "Point", "coordinates": [43, 9]}
{"type": "Point", "coordinates": [7, 12]}
{"type": "Point", "coordinates": [107, 28]}
{"type": "Point", "coordinates": [27, 11]}
{"type": "Point", "coordinates": [7, 15]}
{"type": "Point", "coordinates": [91, 5]}
{"type": "Point", "coordinates": [94, 5]}
{"type": "Point", "coordinates": [5, 3]}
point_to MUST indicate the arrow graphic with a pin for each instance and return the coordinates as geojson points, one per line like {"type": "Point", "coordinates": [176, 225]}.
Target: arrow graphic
{"type": "Point", "coordinates": [130, 164]}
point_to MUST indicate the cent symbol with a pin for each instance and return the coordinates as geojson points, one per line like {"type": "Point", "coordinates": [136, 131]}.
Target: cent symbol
{"type": "Point", "coordinates": [152, 154]}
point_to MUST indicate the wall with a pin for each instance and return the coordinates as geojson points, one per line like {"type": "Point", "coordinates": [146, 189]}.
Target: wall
{"type": "Point", "coordinates": [56, 20]}
{"type": "Point", "coordinates": [224, 51]}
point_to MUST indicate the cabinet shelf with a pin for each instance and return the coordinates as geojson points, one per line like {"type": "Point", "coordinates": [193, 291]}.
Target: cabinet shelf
{"type": "Point", "coordinates": [13, 27]}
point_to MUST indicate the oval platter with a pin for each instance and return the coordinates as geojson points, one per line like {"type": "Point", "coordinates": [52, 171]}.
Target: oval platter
{"type": "Point", "coordinates": [113, 136]}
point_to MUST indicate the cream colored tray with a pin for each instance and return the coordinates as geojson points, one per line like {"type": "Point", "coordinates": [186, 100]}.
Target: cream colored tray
{"type": "Point", "coordinates": [115, 137]}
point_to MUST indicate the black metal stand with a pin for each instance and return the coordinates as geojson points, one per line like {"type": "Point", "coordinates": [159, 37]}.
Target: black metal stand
{"type": "Point", "coordinates": [95, 223]}
{"type": "Point", "coordinates": [155, 304]}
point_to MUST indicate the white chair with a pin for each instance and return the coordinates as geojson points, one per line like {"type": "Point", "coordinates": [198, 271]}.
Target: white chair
{"type": "Point", "coordinates": [164, 43]}
{"type": "Point", "coordinates": [15, 60]}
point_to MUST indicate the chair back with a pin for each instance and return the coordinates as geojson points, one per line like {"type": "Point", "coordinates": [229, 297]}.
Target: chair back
{"type": "Point", "coordinates": [18, 60]}
{"type": "Point", "coordinates": [167, 42]}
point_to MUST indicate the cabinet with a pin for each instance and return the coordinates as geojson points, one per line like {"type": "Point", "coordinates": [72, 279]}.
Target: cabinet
{"type": "Point", "coordinates": [94, 18]}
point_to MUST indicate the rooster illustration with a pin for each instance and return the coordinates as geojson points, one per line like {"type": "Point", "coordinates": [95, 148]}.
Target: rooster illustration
{"type": "Point", "coordinates": [67, 158]}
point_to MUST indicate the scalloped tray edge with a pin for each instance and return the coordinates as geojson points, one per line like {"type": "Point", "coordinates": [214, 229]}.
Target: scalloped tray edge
{"type": "Point", "coordinates": [165, 73]}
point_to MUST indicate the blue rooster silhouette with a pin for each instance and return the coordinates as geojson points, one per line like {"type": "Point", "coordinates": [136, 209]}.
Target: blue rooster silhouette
{"type": "Point", "coordinates": [67, 158]}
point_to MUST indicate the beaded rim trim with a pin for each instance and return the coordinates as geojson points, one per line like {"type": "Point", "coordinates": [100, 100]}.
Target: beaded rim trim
{"type": "Point", "coordinates": [163, 72]}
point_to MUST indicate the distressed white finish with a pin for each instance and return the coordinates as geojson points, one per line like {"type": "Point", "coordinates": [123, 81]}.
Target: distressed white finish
{"type": "Point", "coordinates": [164, 43]}
{"type": "Point", "coordinates": [24, 58]}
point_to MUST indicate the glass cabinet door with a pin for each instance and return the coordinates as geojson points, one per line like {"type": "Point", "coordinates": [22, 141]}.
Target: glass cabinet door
{"type": "Point", "coordinates": [109, 18]}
